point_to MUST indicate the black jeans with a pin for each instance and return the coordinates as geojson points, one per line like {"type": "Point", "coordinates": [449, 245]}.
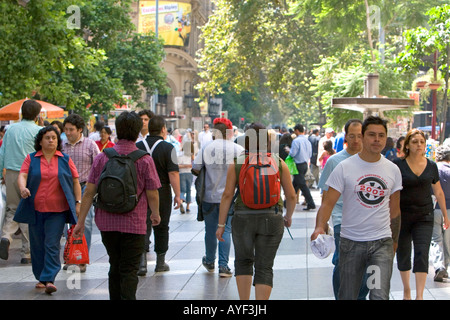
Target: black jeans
{"type": "Point", "coordinates": [124, 251]}
{"type": "Point", "coordinates": [300, 183]}
{"type": "Point", "coordinates": [416, 229]}
{"type": "Point", "coordinates": [161, 230]}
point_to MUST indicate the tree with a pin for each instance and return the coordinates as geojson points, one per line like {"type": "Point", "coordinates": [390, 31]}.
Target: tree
{"type": "Point", "coordinates": [93, 64]}
{"type": "Point", "coordinates": [258, 45]}
{"type": "Point", "coordinates": [422, 42]}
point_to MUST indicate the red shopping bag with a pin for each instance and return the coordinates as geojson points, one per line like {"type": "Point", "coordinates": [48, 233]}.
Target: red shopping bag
{"type": "Point", "coordinates": [75, 250]}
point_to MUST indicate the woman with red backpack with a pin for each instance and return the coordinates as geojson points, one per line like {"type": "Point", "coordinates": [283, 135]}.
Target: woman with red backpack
{"type": "Point", "coordinates": [258, 221]}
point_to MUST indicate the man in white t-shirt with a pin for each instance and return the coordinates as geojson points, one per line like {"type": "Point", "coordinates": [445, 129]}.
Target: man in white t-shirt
{"type": "Point", "coordinates": [205, 136]}
{"type": "Point", "coordinates": [370, 186]}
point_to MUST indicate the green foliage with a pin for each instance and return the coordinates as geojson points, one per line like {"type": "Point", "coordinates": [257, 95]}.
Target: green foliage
{"type": "Point", "coordinates": [426, 41]}
{"type": "Point", "coordinates": [93, 65]}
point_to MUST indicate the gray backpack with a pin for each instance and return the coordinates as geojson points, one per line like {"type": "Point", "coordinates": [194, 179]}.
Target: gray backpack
{"type": "Point", "coordinates": [117, 186]}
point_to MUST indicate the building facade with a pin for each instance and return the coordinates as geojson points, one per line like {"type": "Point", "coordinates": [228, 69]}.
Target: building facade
{"type": "Point", "coordinates": [178, 24]}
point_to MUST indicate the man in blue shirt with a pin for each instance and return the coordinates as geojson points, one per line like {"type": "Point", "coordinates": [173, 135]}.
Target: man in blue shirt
{"type": "Point", "coordinates": [301, 151]}
{"type": "Point", "coordinates": [18, 142]}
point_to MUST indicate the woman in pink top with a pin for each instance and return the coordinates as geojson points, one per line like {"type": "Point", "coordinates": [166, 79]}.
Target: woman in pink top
{"type": "Point", "coordinates": [51, 197]}
{"type": "Point", "coordinates": [105, 139]}
{"type": "Point", "coordinates": [328, 151]}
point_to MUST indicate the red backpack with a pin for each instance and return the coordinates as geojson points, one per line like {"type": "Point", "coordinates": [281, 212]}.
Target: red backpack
{"type": "Point", "coordinates": [259, 181]}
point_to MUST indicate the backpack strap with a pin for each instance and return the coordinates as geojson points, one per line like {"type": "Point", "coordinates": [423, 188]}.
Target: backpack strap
{"type": "Point", "coordinates": [110, 152]}
{"type": "Point", "coordinates": [137, 154]}
{"type": "Point", "coordinates": [150, 151]}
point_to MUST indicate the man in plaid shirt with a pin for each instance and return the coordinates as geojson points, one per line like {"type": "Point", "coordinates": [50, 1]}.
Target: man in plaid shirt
{"type": "Point", "coordinates": [82, 151]}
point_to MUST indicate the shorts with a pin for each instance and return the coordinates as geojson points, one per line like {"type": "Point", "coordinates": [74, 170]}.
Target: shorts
{"type": "Point", "coordinates": [256, 238]}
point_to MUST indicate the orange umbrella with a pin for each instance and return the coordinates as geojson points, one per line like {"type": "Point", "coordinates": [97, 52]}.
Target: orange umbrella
{"type": "Point", "coordinates": [13, 110]}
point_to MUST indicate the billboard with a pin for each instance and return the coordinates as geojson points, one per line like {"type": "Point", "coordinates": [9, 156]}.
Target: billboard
{"type": "Point", "coordinates": [174, 21]}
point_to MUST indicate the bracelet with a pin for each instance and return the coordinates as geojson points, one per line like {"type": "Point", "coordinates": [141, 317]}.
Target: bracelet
{"type": "Point", "coordinates": [221, 225]}
{"type": "Point", "coordinates": [77, 201]}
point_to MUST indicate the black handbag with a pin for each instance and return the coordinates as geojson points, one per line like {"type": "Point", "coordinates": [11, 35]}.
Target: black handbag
{"type": "Point", "coordinates": [199, 191]}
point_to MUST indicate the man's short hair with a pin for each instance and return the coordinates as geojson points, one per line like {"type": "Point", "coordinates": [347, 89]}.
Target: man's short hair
{"type": "Point", "coordinates": [155, 125]}
{"type": "Point", "coordinates": [128, 126]}
{"type": "Point", "coordinates": [98, 126]}
{"type": "Point", "coordinates": [299, 127]}
{"type": "Point", "coordinates": [373, 120]}
{"type": "Point", "coordinates": [76, 120]}
{"type": "Point", "coordinates": [146, 112]}
{"type": "Point", "coordinates": [350, 122]}
{"type": "Point", "coordinates": [30, 109]}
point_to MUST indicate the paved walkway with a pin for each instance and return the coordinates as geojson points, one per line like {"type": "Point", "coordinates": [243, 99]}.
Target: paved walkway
{"type": "Point", "coordinates": [298, 274]}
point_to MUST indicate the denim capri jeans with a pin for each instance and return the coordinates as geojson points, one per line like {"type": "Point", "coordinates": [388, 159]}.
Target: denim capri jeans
{"type": "Point", "coordinates": [256, 238]}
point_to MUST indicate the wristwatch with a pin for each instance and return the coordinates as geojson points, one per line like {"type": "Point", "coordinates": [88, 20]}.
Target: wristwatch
{"type": "Point", "coordinates": [77, 201]}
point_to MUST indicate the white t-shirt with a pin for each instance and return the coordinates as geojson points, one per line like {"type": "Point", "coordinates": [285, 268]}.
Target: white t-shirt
{"type": "Point", "coordinates": [365, 188]}
{"type": "Point", "coordinates": [204, 137]}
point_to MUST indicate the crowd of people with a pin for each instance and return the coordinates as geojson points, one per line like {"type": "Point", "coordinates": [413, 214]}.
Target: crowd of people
{"type": "Point", "coordinates": [382, 198]}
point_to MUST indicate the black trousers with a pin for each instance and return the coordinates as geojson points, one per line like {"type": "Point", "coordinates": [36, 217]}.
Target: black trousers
{"type": "Point", "coordinates": [124, 251]}
{"type": "Point", "coordinates": [162, 230]}
{"type": "Point", "coordinates": [300, 183]}
{"type": "Point", "coordinates": [415, 232]}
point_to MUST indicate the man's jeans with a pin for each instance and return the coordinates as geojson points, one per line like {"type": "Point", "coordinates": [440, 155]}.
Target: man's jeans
{"type": "Point", "coordinates": [89, 222]}
{"type": "Point", "coordinates": [211, 216]}
{"type": "Point", "coordinates": [358, 256]}
{"type": "Point", "coordinates": [440, 242]}
{"type": "Point", "coordinates": [336, 279]}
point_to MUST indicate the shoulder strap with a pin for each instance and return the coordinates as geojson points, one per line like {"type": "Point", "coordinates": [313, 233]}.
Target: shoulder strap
{"type": "Point", "coordinates": [150, 151]}
{"type": "Point", "coordinates": [154, 146]}
{"type": "Point", "coordinates": [110, 152]}
{"type": "Point", "coordinates": [144, 141]}
{"type": "Point", "coordinates": [137, 154]}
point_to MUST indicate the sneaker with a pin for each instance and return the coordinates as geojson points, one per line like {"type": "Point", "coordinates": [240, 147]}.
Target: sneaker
{"type": "Point", "coordinates": [224, 272]}
{"type": "Point", "coordinates": [439, 276]}
{"type": "Point", "coordinates": [208, 266]}
{"type": "Point", "coordinates": [4, 249]}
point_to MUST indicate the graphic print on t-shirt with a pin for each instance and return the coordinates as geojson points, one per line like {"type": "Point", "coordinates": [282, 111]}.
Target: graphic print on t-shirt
{"type": "Point", "coordinates": [371, 190]}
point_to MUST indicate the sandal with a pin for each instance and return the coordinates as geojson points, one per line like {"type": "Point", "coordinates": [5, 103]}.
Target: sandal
{"type": "Point", "coordinates": [39, 285]}
{"type": "Point", "coordinates": [50, 288]}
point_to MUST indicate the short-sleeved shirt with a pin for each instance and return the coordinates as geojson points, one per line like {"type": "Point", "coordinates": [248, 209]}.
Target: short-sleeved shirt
{"type": "Point", "coordinates": [366, 188]}
{"type": "Point", "coordinates": [147, 179]}
{"type": "Point", "coordinates": [416, 194]}
{"type": "Point", "coordinates": [164, 156]}
{"type": "Point", "coordinates": [50, 196]}
{"type": "Point", "coordinates": [216, 156]}
{"type": "Point", "coordinates": [332, 162]}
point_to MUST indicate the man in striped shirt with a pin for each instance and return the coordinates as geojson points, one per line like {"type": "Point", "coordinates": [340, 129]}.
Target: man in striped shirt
{"type": "Point", "coordinates": [82, 151]}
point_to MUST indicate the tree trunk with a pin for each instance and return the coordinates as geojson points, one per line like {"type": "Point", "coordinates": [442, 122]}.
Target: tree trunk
{"type": "Point", "coordinates": [369, 32]}
{"type": "Point", "coordinates": [445, 102]}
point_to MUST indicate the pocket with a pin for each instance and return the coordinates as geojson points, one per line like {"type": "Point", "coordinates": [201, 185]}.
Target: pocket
{"type": "Point", "coordinates": [273, 225]}
{"type": "Point", "coordinates": [207, 207]}
{"type": "Point", "coordinates": [239, 225]}
{"type": "Point", "coordinates": [346, 245]}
